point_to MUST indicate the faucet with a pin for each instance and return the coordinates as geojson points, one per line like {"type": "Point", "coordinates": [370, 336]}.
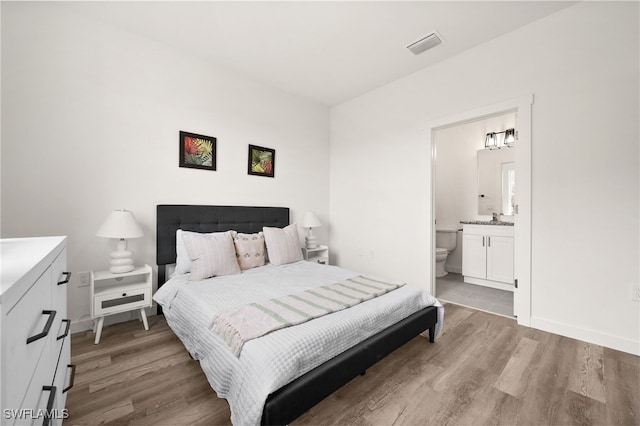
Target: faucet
{"type": "Point", "coordinates": [495, 217]}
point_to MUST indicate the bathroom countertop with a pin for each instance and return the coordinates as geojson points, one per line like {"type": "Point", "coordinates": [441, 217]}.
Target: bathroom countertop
{"type": "Point", "coordinates": [486, 222]}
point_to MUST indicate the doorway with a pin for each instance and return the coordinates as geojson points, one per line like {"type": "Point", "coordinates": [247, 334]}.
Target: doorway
{"type": "Point", "coordinates": [521, 107]}
{"type": "Point", "coordinates": [464, 168]}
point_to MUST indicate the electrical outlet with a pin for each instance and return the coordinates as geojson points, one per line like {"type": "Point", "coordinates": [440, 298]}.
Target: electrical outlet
{"type": "Point", "coordinates": [635, 292]}
{"type": "Point", "coordinates": [83, 279]}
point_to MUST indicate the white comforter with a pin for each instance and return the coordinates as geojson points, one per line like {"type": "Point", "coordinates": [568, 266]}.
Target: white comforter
{"type": "Point", "coordinates": [270, 362]}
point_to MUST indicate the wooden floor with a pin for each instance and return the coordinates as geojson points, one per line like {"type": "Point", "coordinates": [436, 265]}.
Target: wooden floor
{"type": "Point", "coordinates": [483, 369]}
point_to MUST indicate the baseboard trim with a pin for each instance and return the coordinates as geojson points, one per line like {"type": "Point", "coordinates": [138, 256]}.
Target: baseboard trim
{"type": "Point", "coordinates": [591, 336]}
{"type": "Point", "coordinates": [85, 323]}
{"type": "Point", "coordinates": [78, 326]}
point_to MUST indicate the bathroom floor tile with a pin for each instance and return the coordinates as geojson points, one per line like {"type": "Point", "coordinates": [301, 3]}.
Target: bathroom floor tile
{"type": "Point", "coordinates": [452, 288]}
{"type": "Point", "coordinates": [502, 309]}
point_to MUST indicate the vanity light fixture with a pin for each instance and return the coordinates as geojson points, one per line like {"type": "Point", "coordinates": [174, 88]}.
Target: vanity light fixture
{"type": "Point", "coordinates": [509, 137]}
{"type": "Point", "coordinates": [491, 140]}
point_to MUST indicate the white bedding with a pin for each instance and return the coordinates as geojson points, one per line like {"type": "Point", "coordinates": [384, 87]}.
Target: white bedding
{"type": "Point", "coordinates": [270, 362]}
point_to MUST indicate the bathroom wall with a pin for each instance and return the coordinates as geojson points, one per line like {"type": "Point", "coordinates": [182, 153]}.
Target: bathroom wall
{"type": "Point", "coordinates": [456, 175]}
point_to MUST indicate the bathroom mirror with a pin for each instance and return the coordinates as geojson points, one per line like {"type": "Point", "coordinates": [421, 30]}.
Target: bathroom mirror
{"type": "Point", "coordinates": [496, 181]}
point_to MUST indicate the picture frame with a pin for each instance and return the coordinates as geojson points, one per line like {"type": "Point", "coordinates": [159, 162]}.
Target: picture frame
{"type": "Point", "coordinates": [262, 161]}
{"type": "Point", "coordinates": [197, 151]}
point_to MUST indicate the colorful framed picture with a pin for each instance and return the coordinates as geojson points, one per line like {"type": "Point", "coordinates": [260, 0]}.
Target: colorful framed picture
{"type": "Point", "coordinates": [262, 161]}
{"type": "Point", "coordinates": [197, 151]}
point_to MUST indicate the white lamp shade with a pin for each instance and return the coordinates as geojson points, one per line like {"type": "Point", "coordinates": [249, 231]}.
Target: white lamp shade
{"type": "Point", "coordinates": [310, 220]}
{"type": "Point", "coordinates": [120, 224]}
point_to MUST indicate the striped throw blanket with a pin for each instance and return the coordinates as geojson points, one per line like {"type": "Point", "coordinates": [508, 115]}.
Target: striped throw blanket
{"type": "Point", "coordinates": [239, 325]}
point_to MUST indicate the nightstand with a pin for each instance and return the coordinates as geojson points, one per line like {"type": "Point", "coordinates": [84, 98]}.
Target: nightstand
{"type": "Point", "coordinates": [114, 293]}
{"type": "Point", "coordinates": [319, 254]}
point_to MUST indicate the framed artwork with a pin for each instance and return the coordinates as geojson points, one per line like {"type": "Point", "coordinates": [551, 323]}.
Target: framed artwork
{"type": "Point", "coordinates": [197, 151]}
{"type": "Point", "coordinates": [262, 161]}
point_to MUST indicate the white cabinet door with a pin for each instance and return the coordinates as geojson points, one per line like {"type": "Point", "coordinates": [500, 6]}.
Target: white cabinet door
{"type": "Point", "coordinates": [500, 259]}
{"type": "Point", "coordinates": [474, 256]}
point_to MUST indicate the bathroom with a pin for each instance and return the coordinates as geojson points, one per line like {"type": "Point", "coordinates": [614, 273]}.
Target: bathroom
{"type": "Point", "coordinates": [474, 183]}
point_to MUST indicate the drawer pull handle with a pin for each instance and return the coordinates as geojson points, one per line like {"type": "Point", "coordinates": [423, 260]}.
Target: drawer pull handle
{"type": "Point", "coordinates": [47, 327]}
{"type": "Point", "coordinates": [66, 330]}
{"type": "Point", "coordinates": [67, 277]}
{"type": "Point", "coordinates": [50, 401]}
{"type": "Point", "coordinates": [73, 377]}
{"type": "Point", "coordinates": [124, 294]}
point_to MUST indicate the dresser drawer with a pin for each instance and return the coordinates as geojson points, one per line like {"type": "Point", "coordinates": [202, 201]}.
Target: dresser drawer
{"type": "Point", "coordinates": [37, 397]}
{"type": "Point", "coordinates": [60, 282]}
{"type": "Point", "coordinates": [122, 301]}
{"type": "Point", "coordinates": [60, 279]}
{"type": "Point", "coordinates": [63, 379]}
{"type": "Point", "coordinates": [26, 321]}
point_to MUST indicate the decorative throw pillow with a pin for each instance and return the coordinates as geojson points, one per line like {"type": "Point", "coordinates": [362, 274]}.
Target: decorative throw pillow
{"type": "Point", "coordinates": [211, 254]}
{"type": "Point", "coordinates": [249, 249]}
{"type": "Point", "coordinates": [282, 244]}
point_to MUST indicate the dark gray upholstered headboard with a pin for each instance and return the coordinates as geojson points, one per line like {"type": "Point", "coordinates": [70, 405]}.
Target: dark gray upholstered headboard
{"type": "Point", "coordinates": [171, 217]}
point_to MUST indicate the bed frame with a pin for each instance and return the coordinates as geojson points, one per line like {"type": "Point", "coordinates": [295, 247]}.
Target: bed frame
{"type": "Point", "coordinates": [295, 398]}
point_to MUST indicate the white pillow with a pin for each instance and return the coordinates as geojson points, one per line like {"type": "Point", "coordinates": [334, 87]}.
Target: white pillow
{"type": "Point", "coordinates": [249, 249]}
{"type": "Point", "coordinates": [183, 262]}
{"type": "Point", "coordinates": [211, 254]}
{"type": "Point", "coordinates": [283, 244]}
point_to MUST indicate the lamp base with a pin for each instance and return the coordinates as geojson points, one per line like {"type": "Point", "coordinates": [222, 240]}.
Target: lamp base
{"type": "Point", "coordinates": [311, 242]}
{"type": "Point", "coordinates": [121, 259]}
{"type": "Point", "coordinates": [121, 269]}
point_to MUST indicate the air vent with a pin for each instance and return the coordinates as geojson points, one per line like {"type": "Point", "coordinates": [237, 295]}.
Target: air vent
{"type": "Point", "coordinates": [424, 44]}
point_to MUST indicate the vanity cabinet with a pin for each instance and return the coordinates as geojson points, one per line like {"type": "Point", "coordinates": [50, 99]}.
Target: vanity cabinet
{"type": "Point", "coordinates": [487, 255]}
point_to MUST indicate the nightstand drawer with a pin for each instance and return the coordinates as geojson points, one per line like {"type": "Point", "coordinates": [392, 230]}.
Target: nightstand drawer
{"type": "Point", "coordinates": [122, 301]}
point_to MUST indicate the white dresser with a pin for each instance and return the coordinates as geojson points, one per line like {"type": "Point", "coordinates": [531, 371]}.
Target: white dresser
{"type": "Point", "coordinates": [35, 353]}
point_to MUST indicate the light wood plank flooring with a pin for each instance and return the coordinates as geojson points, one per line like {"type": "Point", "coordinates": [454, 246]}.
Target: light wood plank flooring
{"type": "Point", "coordinates": [483, 369]}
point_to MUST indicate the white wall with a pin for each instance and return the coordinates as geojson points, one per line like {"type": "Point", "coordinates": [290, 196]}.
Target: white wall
{"type": "Point", "coordinates": [585, 160]}
{"type": "Point", "coordinates": [90, 123]}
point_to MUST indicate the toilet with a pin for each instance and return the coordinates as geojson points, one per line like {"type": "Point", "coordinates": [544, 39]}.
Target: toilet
{"type": "Point", "coordinates": [445, 244]}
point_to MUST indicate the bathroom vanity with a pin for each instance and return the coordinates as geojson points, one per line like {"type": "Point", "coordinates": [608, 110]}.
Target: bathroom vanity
{"type": "Point", "coordinates": [487, 254]}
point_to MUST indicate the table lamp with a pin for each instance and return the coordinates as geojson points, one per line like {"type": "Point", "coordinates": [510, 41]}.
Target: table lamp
{"type": "Point", "coordinates": [310, 221]}
{"type": "Point", "coordinates": [121, 224]}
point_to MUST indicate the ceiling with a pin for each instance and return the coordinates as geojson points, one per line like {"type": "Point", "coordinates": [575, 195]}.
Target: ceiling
{"type": "Point", "coordinates": [328, 52]}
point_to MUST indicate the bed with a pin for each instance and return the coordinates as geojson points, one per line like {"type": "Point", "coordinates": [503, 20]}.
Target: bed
{"type": "Point", "coordinates": [294, 396]}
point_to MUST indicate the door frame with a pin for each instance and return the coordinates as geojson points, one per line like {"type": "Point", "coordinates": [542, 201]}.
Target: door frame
{"type": "Point", "coordinates": [522, 106]}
